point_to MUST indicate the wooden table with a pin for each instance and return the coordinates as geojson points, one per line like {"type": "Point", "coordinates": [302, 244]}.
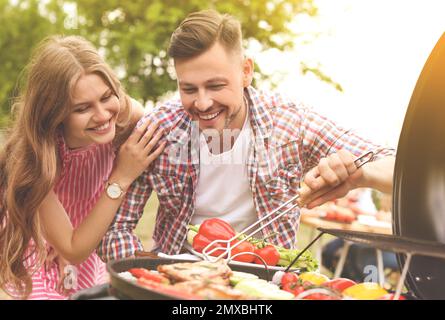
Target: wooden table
{"type": "Point", "coordinates": [315, 222]}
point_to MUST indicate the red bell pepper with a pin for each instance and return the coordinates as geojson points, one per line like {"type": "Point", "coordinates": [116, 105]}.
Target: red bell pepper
{"type": "Point", "coordinates": [211, 230]}
{"type": "Point", "coordinates": [339, 284]}
{"type": "Point", "coordinates": [200, 242]}
{"type": "Point", "coordinates": [148, 275]}
{"type": "Point", "coordinates": [216, 229]}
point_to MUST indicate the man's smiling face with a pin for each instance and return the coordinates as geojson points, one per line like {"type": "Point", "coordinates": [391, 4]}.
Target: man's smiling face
{"type": "Point", "coordinates": [211, 86]}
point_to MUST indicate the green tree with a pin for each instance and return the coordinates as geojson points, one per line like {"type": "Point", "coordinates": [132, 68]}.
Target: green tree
{"type": "Point", "coordinates": [133, 35]}
{"type": "Point", "coordinates": [23, 25]}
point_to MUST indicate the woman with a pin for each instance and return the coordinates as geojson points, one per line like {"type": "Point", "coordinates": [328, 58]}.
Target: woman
{"type": "Point", "coordinates": [65, 167]}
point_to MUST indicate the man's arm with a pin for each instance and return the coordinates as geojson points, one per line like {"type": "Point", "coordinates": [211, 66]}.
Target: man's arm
{"type": "Point", "coordinates": [337, 174]}
{"type": "Point", "coordinates": [329, 152]}
{"type": "Point", "coordinates": [378, 174]}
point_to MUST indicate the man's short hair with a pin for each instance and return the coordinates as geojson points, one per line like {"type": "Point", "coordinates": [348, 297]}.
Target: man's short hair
{"type": "Point", "coordinates": [201, 30]}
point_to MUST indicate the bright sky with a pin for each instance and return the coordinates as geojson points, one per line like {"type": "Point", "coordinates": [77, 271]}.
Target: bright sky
{"type": "Point", "coordinates": [375, 49]}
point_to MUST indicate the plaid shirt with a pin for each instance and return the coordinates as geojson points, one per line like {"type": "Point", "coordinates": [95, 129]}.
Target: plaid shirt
{"type": "Point", "coordinates": [288, 140]}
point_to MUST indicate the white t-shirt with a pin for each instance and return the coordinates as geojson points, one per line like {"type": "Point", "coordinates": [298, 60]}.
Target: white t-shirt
{"type": "Point", "coordinates": [223, 189]}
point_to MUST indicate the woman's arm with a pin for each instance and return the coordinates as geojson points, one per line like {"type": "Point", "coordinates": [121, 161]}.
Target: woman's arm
{"type": "Point", "coordinates": [76, 245]}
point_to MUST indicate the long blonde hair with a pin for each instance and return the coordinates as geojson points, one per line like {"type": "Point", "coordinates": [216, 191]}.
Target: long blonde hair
{"type": "Point", "coordinates": [29, 159]}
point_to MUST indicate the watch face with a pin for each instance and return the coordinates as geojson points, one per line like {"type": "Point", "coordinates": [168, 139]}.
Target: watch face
{"type": "Point", "coordinates": [114, 191]}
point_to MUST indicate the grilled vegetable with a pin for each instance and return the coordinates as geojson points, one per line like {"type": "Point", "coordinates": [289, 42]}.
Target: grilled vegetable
{"type": "Point", "coordinates": [237, 276]}
{"type": "Point", "coordinates": [339, 284]}
{"type": "Point", "coordinates": [140, 273]}
{"type": "Point", "coordinates": [306, 262]}
{"type": "Point", "coordinates": [191, 235]}
{"type": "Point", "coordinates": [314, 278]}
{"type": "Point", "coordinates": [259, 288]}
{"type": "Point", "coordinates": [365, 291]}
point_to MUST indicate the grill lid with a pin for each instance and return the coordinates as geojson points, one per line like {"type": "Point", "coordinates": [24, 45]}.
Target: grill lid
{"type": "Point", "coordinates": [419, 176]}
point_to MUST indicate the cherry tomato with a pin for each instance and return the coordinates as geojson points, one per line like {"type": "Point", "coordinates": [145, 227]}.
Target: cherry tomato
{"type": "Point", "coordinates": [293, 287]}
{"type": "Point", "coordinates": [289, 277]}
{"type": "Point", "coordinates": [270, 255]}
{"type": "Point", "coordinates": [243, 247]}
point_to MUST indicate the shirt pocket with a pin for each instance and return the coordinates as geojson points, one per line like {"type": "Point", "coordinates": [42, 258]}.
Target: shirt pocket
{"type": "Point", "coordinates": [283, 185]}
{"type": "Point", "coordinates": [170, 192]}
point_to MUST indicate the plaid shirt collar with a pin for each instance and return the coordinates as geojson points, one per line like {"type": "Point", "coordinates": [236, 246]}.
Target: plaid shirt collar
{"type": "Point", "coordinates": [261, 122]}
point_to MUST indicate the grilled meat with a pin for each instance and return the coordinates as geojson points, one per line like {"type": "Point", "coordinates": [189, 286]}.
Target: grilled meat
{"type": "Point", "coordinates": [217, 271]}
{"type": "Point", "coordinates": [210, 290]}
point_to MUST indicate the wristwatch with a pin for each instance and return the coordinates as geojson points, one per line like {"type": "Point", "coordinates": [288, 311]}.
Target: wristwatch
{"type": "Point", "coordinates": [114, 190]}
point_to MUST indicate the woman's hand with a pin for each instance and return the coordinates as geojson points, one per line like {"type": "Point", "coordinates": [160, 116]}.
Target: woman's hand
{"type": "Point", "coordinates": [137, 153]}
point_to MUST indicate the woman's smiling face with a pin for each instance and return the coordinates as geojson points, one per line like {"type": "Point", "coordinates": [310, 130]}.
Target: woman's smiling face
{"type": "Point", "coordinates": [94, 112]}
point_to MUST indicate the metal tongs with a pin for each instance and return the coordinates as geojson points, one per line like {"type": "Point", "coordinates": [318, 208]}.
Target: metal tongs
{"type": "Point", "coordinates": [301, 199]}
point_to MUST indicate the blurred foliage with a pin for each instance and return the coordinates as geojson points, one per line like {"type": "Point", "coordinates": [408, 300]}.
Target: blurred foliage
{"type": "Point", "coordinates": [320, 75]}
{"type": "Point", "coordinates": [132, 35]}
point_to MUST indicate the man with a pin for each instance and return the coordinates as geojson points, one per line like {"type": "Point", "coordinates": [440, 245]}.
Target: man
{"type": "Point", "coordinates": [234, 152]}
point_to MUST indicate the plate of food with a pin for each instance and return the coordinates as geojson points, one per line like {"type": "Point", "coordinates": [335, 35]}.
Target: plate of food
{"type": "Point", "coordinates": [161, 278]}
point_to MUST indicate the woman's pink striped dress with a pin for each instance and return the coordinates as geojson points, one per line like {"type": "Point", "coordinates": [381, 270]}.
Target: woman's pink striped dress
{"type": "Point", "coordinates": [81, 182]}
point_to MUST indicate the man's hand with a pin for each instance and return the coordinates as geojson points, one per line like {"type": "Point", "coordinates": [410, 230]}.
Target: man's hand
{"type": "Point", "coordinates": [332, 178]}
